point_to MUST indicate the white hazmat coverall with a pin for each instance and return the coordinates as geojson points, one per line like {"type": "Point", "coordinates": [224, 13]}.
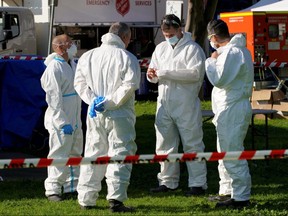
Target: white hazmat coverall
{"type": "Point", "coordinates": [64, 107]}
{"type": "Point", "coordinates": [114, 73]}
{"type": "Point", "coordinates": [180, 75]}
{"type": "Point", "coordinates": [232, 76]}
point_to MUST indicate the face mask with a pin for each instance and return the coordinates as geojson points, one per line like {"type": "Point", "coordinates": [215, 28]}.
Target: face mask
{"type": "Point", "coordinates": [213, 45]}
{"type": "Point", "coordinates": [72, 51]}
{"type": "Point", "coordinates": [173, 40]}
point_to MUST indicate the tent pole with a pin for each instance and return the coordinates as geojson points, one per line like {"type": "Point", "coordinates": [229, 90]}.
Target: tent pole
{"type": "Point", "coordinates": [52, 10]}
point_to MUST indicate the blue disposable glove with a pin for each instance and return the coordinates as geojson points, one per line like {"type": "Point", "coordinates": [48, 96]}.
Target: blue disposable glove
{"type": "Point", "coordinates": [97, 105]}
{"type": "Point", "coordinates": [92, 112]}
{"type": "Point", "coordinates": [67, 129]}
{"type": "Point", "coordinates": [100, 104]}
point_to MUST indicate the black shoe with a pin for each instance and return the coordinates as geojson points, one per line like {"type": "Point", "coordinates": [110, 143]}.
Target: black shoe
{"type": "Point", "coordinates": [219, 198]}
{"type": "Point", "coordinates": [70, 195]}
{"type": "Point", "coordinates": [195, 191]}
{"type": "Point", "coordinates": [117, 206]}
{"type": "Point", "coordinates": [87, 207]}
{"type": "Point", "coordinates": [54, 198]}
{"type": "Point", "coordinates": [161, 189]}
{"type": "Point", "coordinates": [231, 203]}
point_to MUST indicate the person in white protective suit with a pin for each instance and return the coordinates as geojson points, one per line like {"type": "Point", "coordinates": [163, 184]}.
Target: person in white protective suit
{"type": "Point", "coordinates": [106, 79]}
{"type": "Point", "coordinates": [177, 65]}
{"type": "Point", "coordinates": [62, 118]}
{"type": "Point", "coordinates": [230, 71]}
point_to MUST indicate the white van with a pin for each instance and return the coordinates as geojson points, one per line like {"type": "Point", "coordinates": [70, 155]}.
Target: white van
{"type": "Point", "coordinates": [17, 31]}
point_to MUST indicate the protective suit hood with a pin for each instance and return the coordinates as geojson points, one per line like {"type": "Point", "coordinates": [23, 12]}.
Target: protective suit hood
{"type": "Point", "coordinates": [112, 39]}
{"type": "Point", "coordinates": [49, 58]}
{"type": "Point", "coordinates": [186, 38]}
{"type": "Point", "coordinates": [238, 41]}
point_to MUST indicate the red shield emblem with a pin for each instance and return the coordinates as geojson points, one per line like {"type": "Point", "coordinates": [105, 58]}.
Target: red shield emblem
{"type": "Point", "coordinates": [122, 6]}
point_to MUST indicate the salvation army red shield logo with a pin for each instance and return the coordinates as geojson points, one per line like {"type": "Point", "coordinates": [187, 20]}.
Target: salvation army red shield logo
{"type": "Point", "coordinates": [122, 6]}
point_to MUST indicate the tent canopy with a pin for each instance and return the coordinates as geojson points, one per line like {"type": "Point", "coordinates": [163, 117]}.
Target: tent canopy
{"type": "Point", "coordinates": [269, 5]}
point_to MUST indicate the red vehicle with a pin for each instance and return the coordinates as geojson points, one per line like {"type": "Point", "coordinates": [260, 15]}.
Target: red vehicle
{"type": "Point", "coordinates": [266, 33]}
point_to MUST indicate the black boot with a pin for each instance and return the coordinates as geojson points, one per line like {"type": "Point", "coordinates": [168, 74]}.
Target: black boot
{"type": "Point", "coordinates": [219, 198]}
{"type": "Point", "coordinates": [195, 191]}
{"type": "Point", "coordinates": [161, 189]}
{"type": "Point", "coordinates": [117, 206]}
{"type": "Point", "coordinates": [231, 203]}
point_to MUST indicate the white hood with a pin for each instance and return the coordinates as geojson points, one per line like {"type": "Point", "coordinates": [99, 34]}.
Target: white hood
{"type": "Point", "coordinates": [236, 41]}
{"type": "Point", "coordinates": [50, 58]}
{"type": "Point", "coordinates": [112, 39]}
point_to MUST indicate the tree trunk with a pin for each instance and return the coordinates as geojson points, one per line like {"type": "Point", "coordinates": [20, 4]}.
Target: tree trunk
{"type": "Point", "coordinates": [199, 13]}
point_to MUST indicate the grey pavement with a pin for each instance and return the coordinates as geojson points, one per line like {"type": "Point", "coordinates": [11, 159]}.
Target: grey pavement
{"type": "Point", "coordinates": [20, 173]}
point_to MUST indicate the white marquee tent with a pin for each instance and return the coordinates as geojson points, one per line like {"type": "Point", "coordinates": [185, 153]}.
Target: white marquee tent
{"type": "Point", "coordinates": [269, 5]}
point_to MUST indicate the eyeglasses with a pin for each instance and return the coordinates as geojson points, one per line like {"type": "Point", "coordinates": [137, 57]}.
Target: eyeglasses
{"type": "Point", "coordinates": [210, 36]}
{"type": "Point", "coordinates": [65, 43]}
{"type": "Point", "coordinates": [170, 22]}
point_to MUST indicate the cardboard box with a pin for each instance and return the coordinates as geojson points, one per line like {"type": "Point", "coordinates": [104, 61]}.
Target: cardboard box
{"type": "Point", "coordinates": [262, 96]}
{"type": "Point", "coordinates": [265, 98]}
{"type": "Point", "coordinates": [270, 99]}
{"type": "Point", "coordinates": [282, 108]}
{"type": "Point", "coordinates": [267, 95]}
{"type": "Point", "coordinates": [277, 95]}
{"type": "Point", "coordinates": [256, 105]}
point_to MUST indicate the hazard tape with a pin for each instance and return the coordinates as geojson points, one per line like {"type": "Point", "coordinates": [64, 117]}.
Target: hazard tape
{"type": "Point", "coordinates": [144, 63]}
{"type": "Point", "coordinates": [20, 57]}
{"type": "Point", "coordinates": [271, 64]}
{"type": "Point", "coordinates": [142, 159]}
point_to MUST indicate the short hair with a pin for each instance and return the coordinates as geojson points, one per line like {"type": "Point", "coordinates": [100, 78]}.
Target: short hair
{"type": "Point", "coordinates": [58, 40]}
{"type": "Point", "coordinates": [170, 20]}
{"type": "Point", "coordinates": [119, 28]}
{"type": "Point", "coordinates": [219, 28]}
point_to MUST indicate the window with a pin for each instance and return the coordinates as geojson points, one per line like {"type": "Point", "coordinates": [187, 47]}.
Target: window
{"type": "Point", "coordinates": [14, 23]}
{"type": "Point", "coordinates": [1, 28]}
{"type": "Point", "coordinates": [273, 31]}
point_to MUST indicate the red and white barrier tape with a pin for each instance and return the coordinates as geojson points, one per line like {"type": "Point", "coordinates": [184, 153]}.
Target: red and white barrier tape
{"type": "Point", "coordinates": [20, 57]}
{"type": "Point", "coordinates": [140, 159]}
{"type": "Point", "coordinates": [144, 63]}
{"type": "Point", "coordinates": [271, 64]}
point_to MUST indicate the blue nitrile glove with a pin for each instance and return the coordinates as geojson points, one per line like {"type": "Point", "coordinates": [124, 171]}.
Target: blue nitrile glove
{"type": "Point", "coordinates": [67, 129]}
{"type": "Point", "coordinates": [92, 112]}
{"type": "Point", "coordinates": [100, 104]}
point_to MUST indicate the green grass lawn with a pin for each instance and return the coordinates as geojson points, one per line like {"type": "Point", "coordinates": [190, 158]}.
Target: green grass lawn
{"type": "Point", "coordinates": [269, 178]}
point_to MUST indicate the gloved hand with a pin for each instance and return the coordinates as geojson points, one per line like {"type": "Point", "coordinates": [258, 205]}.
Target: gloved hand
{"type": "Point", "coordinates": [92, 112]}
{"type": "Point", "coordinates": [100, 104]}
{"type": "Point", "coordinates": [67, 129]}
